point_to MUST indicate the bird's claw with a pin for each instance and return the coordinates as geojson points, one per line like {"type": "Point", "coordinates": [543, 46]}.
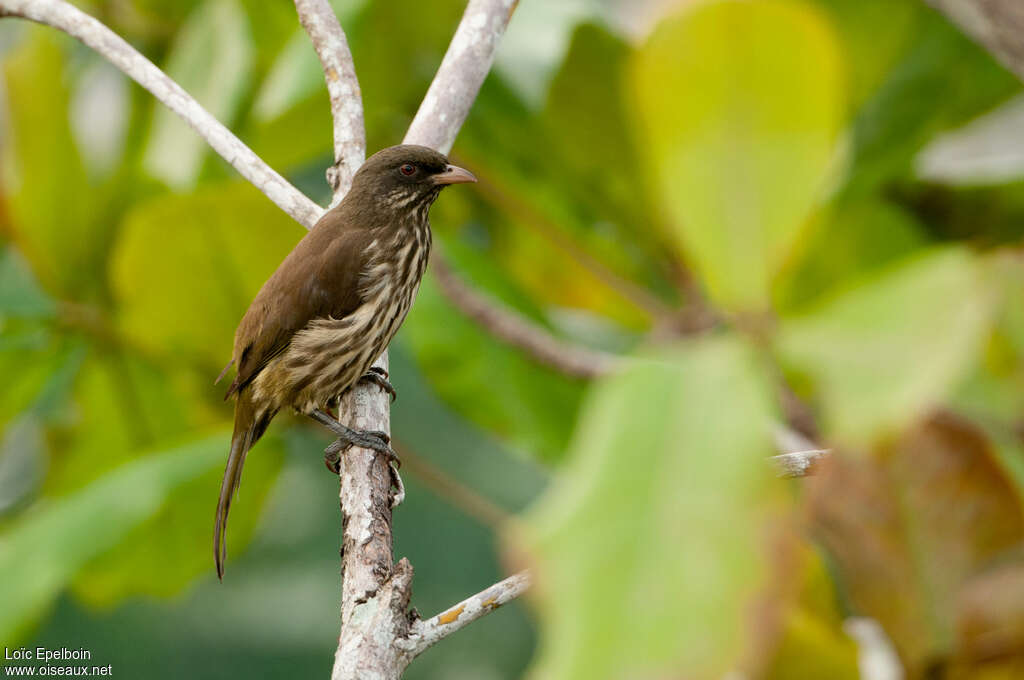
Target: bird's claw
{"type": "Point", "coordinates": [370, 439]}
{"type": "Point", "coordinates": [379, 377]}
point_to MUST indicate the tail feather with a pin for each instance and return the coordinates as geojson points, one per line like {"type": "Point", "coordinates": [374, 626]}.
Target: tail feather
{"type": "Point", "coordinates": [250, 425]}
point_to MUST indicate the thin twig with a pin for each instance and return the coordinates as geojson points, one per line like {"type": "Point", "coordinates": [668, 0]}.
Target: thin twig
{"type": "Point", "coordinates": [428, 632]}
{"type": "Point", "coordinates": [518, 331]}
{"type": "Point", "coordinates": [451, 490]}
{"type": "Point", "coordinates": [463, 70]}
{"type": "Point", "coordinates": [69, 19]}
{"type": "Point", "coordinates": [799, 454]}
{"type": "Point", "coordinates": [331, 46]}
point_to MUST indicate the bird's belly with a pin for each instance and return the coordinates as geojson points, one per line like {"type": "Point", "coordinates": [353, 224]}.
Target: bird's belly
{"type": "Point", "coordinates": [329, 355]}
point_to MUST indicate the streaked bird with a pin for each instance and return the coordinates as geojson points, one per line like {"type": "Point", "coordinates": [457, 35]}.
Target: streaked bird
{"type": "Point", "coordinates": [332, 307]}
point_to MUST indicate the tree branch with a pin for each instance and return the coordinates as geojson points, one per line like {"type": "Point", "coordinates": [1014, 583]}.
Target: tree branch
{"type": "Point", "coordinates": [331, 47]}
{"type": "Point", "coordinates": [67, 18]}
{"type": "Point", "coordinates": [428, 632]}
{"type": "Point", "coordinates": [996, 24]}
{"type": "Point", "coordinates": [518, 331]}
{"type": "Point", "coordinates": [463, 70]}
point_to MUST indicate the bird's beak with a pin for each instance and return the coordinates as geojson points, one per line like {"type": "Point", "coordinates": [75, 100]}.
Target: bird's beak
{"type": "Point", "coordinates": [453, 174]}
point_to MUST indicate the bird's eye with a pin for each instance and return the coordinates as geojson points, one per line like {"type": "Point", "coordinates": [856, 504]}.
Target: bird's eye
{"type": "Point", "coordinates": [408, 169]}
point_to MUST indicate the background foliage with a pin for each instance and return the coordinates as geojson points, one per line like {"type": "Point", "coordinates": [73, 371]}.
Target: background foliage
{"type": "Point", "coordinates": [771, 165]}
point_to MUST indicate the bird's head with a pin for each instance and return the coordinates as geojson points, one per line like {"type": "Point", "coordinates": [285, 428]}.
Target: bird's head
{"type": "Point", "coordinates": [407, 176]}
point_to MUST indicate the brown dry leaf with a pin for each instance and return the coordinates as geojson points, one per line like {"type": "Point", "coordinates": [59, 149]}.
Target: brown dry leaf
{"type": "Point", "coordinates": [908, 526]}
{"type": "Point", "coordinates": [990, 623]}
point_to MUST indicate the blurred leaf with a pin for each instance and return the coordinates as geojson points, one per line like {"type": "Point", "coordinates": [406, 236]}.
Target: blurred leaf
{"type": "Point", "coordinates": [167, 552]}
{"type": "Point", "coordinates": [549, 228]}
{"type": "Point", "coordinates": [52, 207]}
{"type": "Point", "coordinates": [121, 404]}
{"type": "Point", "coordinates": [811, 642]}
{"type": "Point", "coordinates": [40, 553]}
{"type": "Point", "coordinates": [917, 519]}
{"type": "Point", "coordinates": [647, 551]}
{"type": "Point", "coordinates": [39, 379]}
{"type": "Point", "coordinates": [874, 35]}
{"type": "Point", "coordinates": [294, 77]}
{"type": "Point", "coordinates": [990, 623]}
{"type": "Point", "coordinates": [943, 80]}
{"type": "Point", "coordinates": [186, 267]}
{"type": "Point", "coordinates": [100, 109]}
{"type": "Point", "coordinates": [211, 59]}
{"type": "Point", "coordinates": [535, 43]}
{"type": "Point", "coordinates": [490, 383]}
{"type": "Point", "coordinates": [22, 462]}
{"type": "Point", "coordinates": [847, 241]}
{"type": "Point", "coordinates": [995, 389]}
{"type": "Point", "coordinates": [737, 166]}
{"type": "Point", "coordinates": [299, 137]}
{"type": "Point", "coordinates": [20, 294]}
{"type": "Point", "coordinates": [586, 113]}
{"type": "Point", "coordinates": [889, 349]}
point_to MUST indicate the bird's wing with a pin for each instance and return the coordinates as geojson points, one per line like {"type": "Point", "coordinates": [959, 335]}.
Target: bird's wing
{"type": "Point", "coordinates": [318, 279]}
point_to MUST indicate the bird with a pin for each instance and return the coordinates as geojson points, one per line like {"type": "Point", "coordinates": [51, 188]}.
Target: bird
{"type": "Point", "coordinates": [332, 306]}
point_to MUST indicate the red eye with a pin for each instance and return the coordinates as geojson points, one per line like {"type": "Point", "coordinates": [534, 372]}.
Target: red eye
{"type": "Point", "coordinates": [408, 169]}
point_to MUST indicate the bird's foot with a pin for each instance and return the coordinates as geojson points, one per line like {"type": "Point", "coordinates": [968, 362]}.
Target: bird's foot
{"type": "Point", "coordinates": [378, 441]}
{"type": "Point", "coordinates": [367, 439]}
{"type": "Point", "coordinates": [379, 377]}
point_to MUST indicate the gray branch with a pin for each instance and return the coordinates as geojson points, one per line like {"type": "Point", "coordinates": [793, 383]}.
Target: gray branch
{"type": "Point", "coordinates": [67, 18]}
{"type": "Point", "coordinates": [331, 46]}
{"type": "Point", "coordinates": [516, 330]}
{"type": "Point", "coordinates": [379, 637]}
{"type": "Point", "coordinates": [998, 25]}
{"type": "Point", "coordinates": [426, 633]}
{"type": "Point", "coordinates": [463, 70]}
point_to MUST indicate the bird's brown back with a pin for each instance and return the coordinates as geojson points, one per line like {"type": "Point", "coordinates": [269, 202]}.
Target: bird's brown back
{"type": "Point", "coordinates": [318, 279]}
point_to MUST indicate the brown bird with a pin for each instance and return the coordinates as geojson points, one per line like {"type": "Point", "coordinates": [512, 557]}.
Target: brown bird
{"type": "Point", "coordinates": [332, 307]}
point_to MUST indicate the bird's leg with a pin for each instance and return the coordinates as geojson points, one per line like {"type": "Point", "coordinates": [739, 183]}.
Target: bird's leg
{"type": "Point", "coordinates": [377, 441]}
{"type": "Point", "coordinates": [379, 377]}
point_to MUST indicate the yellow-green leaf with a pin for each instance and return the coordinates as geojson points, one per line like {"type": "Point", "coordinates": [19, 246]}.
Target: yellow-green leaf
{"type": "Point", "coordinates": [650, 548]}
{"type": "Point", "coordinates": [885, 351]}
{"type": "Point", "coordinates": [739, 105]}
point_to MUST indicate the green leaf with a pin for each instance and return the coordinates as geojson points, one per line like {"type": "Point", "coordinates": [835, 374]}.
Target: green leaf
{"type": "Point", "coordinates": [737, 165]}
{"type": "Point", "coordinates": [40, 553]}
{"type": "Point", "coordinates": [186, 268]}
{"type": "Point", "coordinates": [586, 114]}
{"type": "Point", "coordinates": [294, 77]}
{"type": "Point", "coordinates": [53, 209]}
{"type": "Point", "coordinates": [163, 555]}
{"type": "Point", "coordinates": [944, 80]}
{"type": "Point", "coordinates": [850, 239]}
{"type": "Point", "coordinates": [874, 36]}
{"type": "Point", "coordinates": [20, 294]}
{"type": "Point", "coordinates": [648, 550]}
{"type": "Point", "coordinates": [22, 462]}
{"type": "Point", "coordinates": [211, 59]}
{"type": "Point", "coordinates": [553, 223]}
{"type": "Point", "coordinates": [890, 348]}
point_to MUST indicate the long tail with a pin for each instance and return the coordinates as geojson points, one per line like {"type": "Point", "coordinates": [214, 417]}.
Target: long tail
{"type": "Point", "coordinates": [250, 424]}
